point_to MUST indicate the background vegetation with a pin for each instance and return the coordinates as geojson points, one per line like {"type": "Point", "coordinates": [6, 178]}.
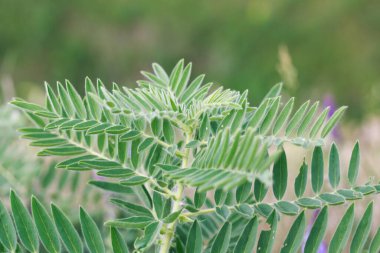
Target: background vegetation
{"type": "Point", "coordinates": [333, 45]}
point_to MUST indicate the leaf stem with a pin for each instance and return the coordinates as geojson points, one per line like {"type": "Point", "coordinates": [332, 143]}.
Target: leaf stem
{"type": "Point", "coordinates": [165, 247]}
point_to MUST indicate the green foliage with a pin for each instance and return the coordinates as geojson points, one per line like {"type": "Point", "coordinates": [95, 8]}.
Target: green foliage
{"type": "Point", "coordinates": [38, 226]}
{"type": "Point", "coordinates": [170, 134]}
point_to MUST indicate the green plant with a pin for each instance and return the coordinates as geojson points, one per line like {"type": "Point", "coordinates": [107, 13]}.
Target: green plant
{"type": "Point", "coordinates": [170, 136]}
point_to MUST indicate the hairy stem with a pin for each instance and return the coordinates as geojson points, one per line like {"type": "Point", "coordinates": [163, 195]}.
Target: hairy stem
{"type": "Point", "coordinates": [167, 238]}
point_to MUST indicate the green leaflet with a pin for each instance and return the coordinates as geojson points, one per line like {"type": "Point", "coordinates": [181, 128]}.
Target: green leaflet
{"type": "Point", "coordinates": [145, 144]}
{"type": "Point", "coordinates": [132, 222]}
{"type": "Point", "coordinates": [294, 238]}
{"type": "Point", "coordinates": [267, 237]}
{"type": "Point", "coordinates": [274, 91]}
{"type": "Point", "coordinates": [307, 119]}
{"type": "Point", "coordinates": [280, 176]}
{"type": "Point", "coordinates": [76, 100]}
{"type": "Point", "coordinates": [353, 168]}
{"type": "Point", "coordinates": [110, 186]}
{"type": "Point", "coordinates": [338, 114]}
{"type": "Point", "coordinates": [260, 190]}
{"type": "Point", "coordinates": [24, 224]}
{"type": "Point", "coordinates": [64, 150]}
{"type": "Point", "coordinates": [318, 123]}
{"type": "Point", "coordinates": [362, 231]}
{"type": "Point", "coordinates": [66, 230]}
{"type": "Point", "coordinates": [194, 241]}
{"type": "Point", "coordinates": [342, 233]}
{"type": "Point", "coordinates": [150, 234]}
{"type": "Point", "coordinates": [301, 181]}
{"type": "Point", "coordinates": [247, 239]}
{"type": "Point", "coordinates": [317, 170]}
{"type": "Point", "coordinates": [270, 117]}
{"type": "Point", "coordinates": [222, 240]}
{"type": "Point", "coordinates": [116, 173]}
{"type": "Point", "coordinates": [199, 198]}
{"type": "Point", "coordinates": [132, 208]}
{"type": "Point", "coordinates": [309, 203]}
{"type": "Point", "coordinates": [287, 207]}
{"type": "Point", "coordinates": [134, 180]}
{"type": "Point", "coordinates": [317, 231]}
{"type": "Point", "coordinates": [172, 217]}
{"type": "Point", "coordinates": [243, 192]}
{"type": "Point", "coordinates": [283, 116]}
{"type": "Point", "coordinates": [53, 100]}
{"type": "Point", "coordinates": [334, 166]}
{"type": "Point", "coordinates": [118, 243]}
{"type": "Point", "coordinates": [168, 131]}
{"type": "Point", "coordinates": [67, 104]}
{"type": "Point", "coordinates": [131, 135]}
{"type": "Point", "coordinates": [297, 117]}
{"type": "Point", "coordinates": [91, 233]}
{"type": "Point", "coordinates": [375, 244]}
{"type": "Point", "coordinates": [45, 227]}
{"type": "Point", "coordinates": [8, 235]}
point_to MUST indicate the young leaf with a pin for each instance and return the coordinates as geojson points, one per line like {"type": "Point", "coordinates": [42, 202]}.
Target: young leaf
{"type": "Point", "coordinates": [317, 170]}
{"type": "Point", "coordinates": [334, 166]}
{"type": "Point", "coordinates": [362, 231]}
{"type": "Point", "coordinates": [66, 230]}
{"type": "Point", "coordinates": [91, 233]}
{"type": "Point", "coordinates": [247, 238]}
{"type": "Point", "coordinates": [222, 240]}
{"type": "Point", "coordinates": [300, 181]}
{"type": "Point", "coordinates": [194, 240]}
{"type": "Point", "coordinates": [353, 168]}
{"type": "Point", "coordinates": [342, 233]}
{"type": "Point", "coordinates": [8, 236]}
{"type": "Point", "coordinates": [24, 224]}
{"type": "Point", "coordinates": [45, 226]}
{"type": "Point", "coordinates": [118, 243]}
{"type": "Point", "coordinates": [317, 231]}
{"type": "Point", "coordinates": [280, 176]}
{"type": "Point", "coordinates": [294, 238]}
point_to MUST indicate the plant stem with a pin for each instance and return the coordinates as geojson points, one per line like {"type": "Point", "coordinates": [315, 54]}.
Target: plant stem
{"type": "Point", "coordinates": [165, 247]}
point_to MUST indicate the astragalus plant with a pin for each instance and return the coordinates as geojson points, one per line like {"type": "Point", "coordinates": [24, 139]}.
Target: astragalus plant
{"type": "Point", "coordinates": [200, 159]}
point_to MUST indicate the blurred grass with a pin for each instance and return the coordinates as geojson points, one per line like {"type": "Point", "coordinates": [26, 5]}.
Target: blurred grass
{"type": "Point", "coordinates": [332, 44]}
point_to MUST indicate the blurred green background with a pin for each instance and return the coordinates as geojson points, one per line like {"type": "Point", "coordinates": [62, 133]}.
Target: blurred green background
{"type": "Point", "coordinates": [316, 47]}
